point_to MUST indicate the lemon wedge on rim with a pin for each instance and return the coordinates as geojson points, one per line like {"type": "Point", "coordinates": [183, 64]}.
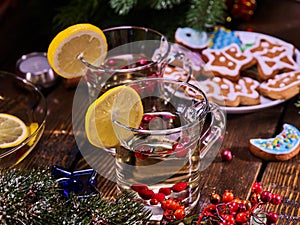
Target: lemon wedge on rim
{"type": "Point", "coordinates": [124, 103]}
{"type": "Point", "coordinates": [12, 130]}
{"type": "Point", "coordinates": [80, 40]}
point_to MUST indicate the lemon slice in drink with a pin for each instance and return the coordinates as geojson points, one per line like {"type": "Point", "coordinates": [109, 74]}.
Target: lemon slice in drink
{"type": "Point", "coordinates": [80, 40]}
{"type": "Point", "coordinates": [122, 101]}
{"type": "Point", "coordinates": [12, 130]}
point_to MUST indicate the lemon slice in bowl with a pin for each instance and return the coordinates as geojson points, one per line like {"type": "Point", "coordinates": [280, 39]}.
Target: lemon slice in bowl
{"type": "Point", "coordinates": [12, 130]}
{"type": "Point", "coordinates": [125, 103]}
{"type": "Point", "coordinates": [80, 40]}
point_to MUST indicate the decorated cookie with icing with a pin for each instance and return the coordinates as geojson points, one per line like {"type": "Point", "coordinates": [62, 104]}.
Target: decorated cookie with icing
{"type": "Point", "coordinates": [222, 37]}
{"type": "Point", "coordinates": [194, 58]}
{"type": "Point", "coordinates": [175, 73]}
{"type": "Point", "coordinates": [228, 93]}
{"type": "Point", "coordinates": [282, 86]}
{"type": "Point", "coordinates": [280, 148]}
{"type": "Point", "coordinates": [192, 39]}
{"type": "Point", "coordinates": [272, 58]}
{"type": "Point", "coordinates": [226, 62]}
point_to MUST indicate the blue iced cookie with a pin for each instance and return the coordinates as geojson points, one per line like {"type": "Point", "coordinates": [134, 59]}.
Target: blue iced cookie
{"type": "Point", "coordinates": [222, 37]}
{"type": "Point", "coordinates": [191, 38]}
{"type": "Point", "coordinates": [282, 147]}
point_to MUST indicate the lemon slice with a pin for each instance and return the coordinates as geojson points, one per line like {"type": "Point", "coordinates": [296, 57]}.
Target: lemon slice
{"type": "Point", "coordinates": [80, 40]}
{"type": "Point", "coordinates": [124, 103]}
{"type": "Point", "coordinates": [12, 130]}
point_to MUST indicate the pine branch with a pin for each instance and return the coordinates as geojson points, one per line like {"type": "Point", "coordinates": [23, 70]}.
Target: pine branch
{"type": "Point", "coordinates": [206, 14]}
{"type": "Point", "coordinates": [33, 197]}
{"type": "Point", "coordinates": [164, 4]}
{"type": "Point", "coordinates": [122, 7]}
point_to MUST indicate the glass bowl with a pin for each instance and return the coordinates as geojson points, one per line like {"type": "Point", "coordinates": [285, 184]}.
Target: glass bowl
{"type": "Point", "coordinates": [22, 99]}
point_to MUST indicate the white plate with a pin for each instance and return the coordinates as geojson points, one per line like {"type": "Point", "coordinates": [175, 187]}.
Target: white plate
{"type": "Point", "coordinates": [250, 37]}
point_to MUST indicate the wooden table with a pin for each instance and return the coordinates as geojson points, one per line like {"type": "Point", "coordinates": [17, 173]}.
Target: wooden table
{"type": "Point", "coordinates": [58, 146]}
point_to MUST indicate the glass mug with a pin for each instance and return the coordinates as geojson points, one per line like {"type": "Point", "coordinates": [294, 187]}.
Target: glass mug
{"type": "Point", "coordinates": [133, 53]}
{"type": "Point", "coordinates": [169, 148]}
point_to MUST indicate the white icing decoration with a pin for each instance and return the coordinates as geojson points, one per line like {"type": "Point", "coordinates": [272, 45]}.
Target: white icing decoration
{"type": "Point", "coordinates": [237, 63]}
{"type": "Point", "coordinates": [222, 59]}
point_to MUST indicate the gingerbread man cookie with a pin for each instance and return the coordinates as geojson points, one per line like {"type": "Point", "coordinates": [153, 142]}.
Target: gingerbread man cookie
{"type": "Point", "coordinates": [280, 148]}
{"type": "Point", "coordinates": [282, 86]}
{"type": "Point", "coordinates": [272, 58]}
{"type": "Point", "coordinates": [226, 62]}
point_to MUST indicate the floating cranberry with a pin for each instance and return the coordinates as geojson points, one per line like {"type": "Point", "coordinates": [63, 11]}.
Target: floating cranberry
{"type": "Point", "coordinates": [180, 150]}
{"type": "Point", "coordinates": [154, 201]}
{"type": "Point", "coordinates": [159, 196]}
{"type": "Point", "coordinates": [139, 187]}
{"type": "Point", "coordinates": [266, 196]}
{"type": "Point", "coordinates": [272, 217]}
{"type": "Point", "coordinates": [226, 155]}
{"type": "Point", "coordinates": [165, 191]}
{"type": "Point", "coordinates": [227, 196]}
{"type": "Point", "coordinates": [142, 62]}
{"type": "Point", "coordinates": [276, 199]}
{"type": "Point", "coordinates": [148, 118]}
{"type": "Point", "coordinates": [146, 194]}
{"type": "Point", "coordinates": [179, 186]}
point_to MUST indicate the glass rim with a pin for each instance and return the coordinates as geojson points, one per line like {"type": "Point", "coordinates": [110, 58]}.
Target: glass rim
{"type": "Point", "coordinates": [34, 88]}
{"type": "Point", "coordinates": [142, 67]}
{"type": "Point", "coordinates": [171, 130]}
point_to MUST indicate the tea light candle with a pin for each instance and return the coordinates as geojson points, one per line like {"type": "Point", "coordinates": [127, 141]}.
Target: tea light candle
{"type": "Point", "coordinates": [35, 68]}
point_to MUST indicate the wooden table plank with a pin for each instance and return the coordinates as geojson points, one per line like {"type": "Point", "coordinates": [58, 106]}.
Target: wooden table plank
{"type": "Point", "coordinates": [57, 145]}
{"type": "Point", "coordinates": [283, 178]}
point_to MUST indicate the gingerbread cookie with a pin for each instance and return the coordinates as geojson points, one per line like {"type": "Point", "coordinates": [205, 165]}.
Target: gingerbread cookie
{"type": "Point", "coordinates": [228, 93]}
{"type": "Point", "coordinates": [272, 58]}
{"type": "Point", "coordinates": [282, 86]}
{"type": "Point", "coordinates": [280, 148]}
{"type": "Point", "coordinates": [226, 62]}
{"type": "Point", "coordinates": [192, 39]}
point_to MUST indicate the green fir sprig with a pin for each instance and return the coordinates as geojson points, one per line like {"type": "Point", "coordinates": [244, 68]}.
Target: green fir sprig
{"type": "Point", "coordinates": [162, 15]}
{"type": "Point", "coordinates": [34, 197]}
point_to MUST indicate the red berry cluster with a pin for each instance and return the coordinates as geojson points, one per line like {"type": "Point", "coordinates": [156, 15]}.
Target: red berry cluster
{"type": "Point", "coordinates": [172, 207]}
{"type": "Point", "coordinates": [229, 210]}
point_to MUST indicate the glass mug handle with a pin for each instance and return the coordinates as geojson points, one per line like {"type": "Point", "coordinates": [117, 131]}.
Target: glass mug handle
{"type": "Point", "coordinates": [211, 140]}
{"type": "Point", "coordinates": [186, 64]}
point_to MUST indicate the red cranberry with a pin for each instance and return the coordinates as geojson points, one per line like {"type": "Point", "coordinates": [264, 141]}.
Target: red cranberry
{"type": "Point", "coordinates": [266, 196]}
{"type": "Point", "coordinates": [241, 217]}
{"type": "Point", "coordinates": [165, 191]}
{"type": "Point", "coordinates": [179, 214]}
{"type": "Point", "coordinates": [272, 217]}
{"type": "Point", "coordinates": [226, 155]}
{"type": "Point", "coordinates": [215, 198]}
{"type": "Point", "coordinates": [153, 201]}
{"type": "Point", "coordinates": [180, 150]}
{"type": "Point", "coordinates": [179, 186]}
{"type": "Point", "coordinates": [139, 187]}
{"type": "Point", "coordinates": [227, 196]}
{"type": "Point", "coordinates": [276, 199]}
{"type": "Point", "coordinates": [159, 196]}
{"type": "Point", "coordinates": [146, 194]}
{"type": "Point", "coordinates": [257, 188]}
